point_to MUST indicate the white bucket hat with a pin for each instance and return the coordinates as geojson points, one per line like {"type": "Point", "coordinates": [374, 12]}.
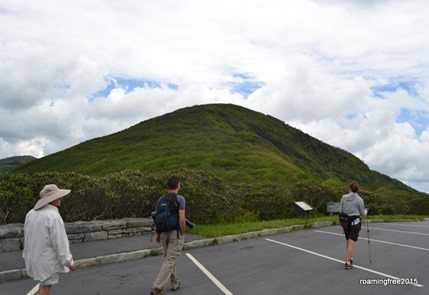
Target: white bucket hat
{"type": "Point", "coordinates": [50, 193]}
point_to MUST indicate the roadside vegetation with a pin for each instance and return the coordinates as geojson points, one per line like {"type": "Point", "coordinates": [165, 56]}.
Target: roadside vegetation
{"type": "Point", "coordinates": [220, 230]}
{"type": "Point", "coordinates": [210, 200]}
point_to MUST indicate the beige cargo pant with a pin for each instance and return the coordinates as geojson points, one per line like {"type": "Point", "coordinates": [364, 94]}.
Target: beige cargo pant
{"type": "Point", "coordinates": [172, 249]}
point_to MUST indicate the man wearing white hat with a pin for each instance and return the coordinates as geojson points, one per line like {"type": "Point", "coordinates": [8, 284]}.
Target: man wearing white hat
{"type": "Point", "coordinates": [46, 246]}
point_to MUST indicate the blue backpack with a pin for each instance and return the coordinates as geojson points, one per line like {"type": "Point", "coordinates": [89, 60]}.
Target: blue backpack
{"type": "Point", "coordinates": [166, 217]}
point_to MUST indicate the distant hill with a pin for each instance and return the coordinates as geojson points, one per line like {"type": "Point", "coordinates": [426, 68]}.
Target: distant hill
{"type": "Point", "coordinates": [235, 143]}
{"type": "Point", "coordinates": [13, 162]}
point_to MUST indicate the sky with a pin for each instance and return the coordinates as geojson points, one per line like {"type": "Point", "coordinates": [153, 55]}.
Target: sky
{"type": "Point", "coordinates": [352, 73]}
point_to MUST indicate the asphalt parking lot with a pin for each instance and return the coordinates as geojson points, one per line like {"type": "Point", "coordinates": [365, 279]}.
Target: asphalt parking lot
{"type": "Point", "coordinates": [301, 262]}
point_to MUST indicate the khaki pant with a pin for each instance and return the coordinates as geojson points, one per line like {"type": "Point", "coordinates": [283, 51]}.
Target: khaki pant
{"type": "Point", "coordinates": [172, 249]}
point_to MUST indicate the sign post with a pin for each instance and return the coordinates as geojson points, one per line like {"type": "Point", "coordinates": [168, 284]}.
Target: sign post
{"type": "Point", "coordinates": [333, 207]}
{"type": "Point", "coordinates": [302, 208]}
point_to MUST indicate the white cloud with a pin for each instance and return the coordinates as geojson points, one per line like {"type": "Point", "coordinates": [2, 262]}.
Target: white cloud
{"type": "Point", "coordinates": [342, 71]}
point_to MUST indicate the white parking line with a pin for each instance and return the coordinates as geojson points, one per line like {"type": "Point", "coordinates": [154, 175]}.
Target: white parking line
{"type": "Point", "coordinates": [34, 290]}
{"type": "Point", "coordinates": [405, 224]}
{"type": "Point", "coordinates": [400, 231]}
{"type": "Point", "coordinates": [209, 275]}
{"type": "Point", "coordinates": [373, 240]}
{"type": "Point", "coordinates": [340, 261]}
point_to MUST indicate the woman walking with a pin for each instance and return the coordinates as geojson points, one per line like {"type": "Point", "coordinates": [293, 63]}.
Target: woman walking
{"type": "Point", "coordinates": [351, 208]}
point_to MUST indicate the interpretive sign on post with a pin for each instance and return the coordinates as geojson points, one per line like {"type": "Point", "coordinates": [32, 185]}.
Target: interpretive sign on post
{"type": "Point", "coordinates": [333, 207]}
{"type": "Point", "coordinates": [302, 208]}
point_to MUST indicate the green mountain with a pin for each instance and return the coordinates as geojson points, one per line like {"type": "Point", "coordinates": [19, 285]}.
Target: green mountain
{"type": "Point", "coordinates": [13, 162]}
{"type": "Point", "coordinates": [237, 144]}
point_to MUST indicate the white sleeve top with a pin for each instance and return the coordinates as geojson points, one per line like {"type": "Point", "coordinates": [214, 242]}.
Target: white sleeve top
{"type": "Point", "coordinates": [46, 246]}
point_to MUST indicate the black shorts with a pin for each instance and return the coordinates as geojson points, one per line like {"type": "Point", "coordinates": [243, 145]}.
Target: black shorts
{"type": "Point", "coordinates": [351, 232]}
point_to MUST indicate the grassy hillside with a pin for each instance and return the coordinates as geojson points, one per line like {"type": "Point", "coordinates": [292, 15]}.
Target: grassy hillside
{"type": "Point", "coordinates": [13, 162]}
{"type": "Point", "coordinates": [232, 142]}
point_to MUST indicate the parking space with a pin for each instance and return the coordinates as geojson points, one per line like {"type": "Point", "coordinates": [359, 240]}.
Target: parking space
{"type": "Point", "coordinates": [303, 262]}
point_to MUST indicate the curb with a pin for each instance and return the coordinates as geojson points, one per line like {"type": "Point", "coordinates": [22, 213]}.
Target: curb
{"type": "Point", "coordinates": [17, 274]}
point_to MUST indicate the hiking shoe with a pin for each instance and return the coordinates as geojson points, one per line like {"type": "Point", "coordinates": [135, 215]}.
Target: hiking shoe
{"type": "Point", "coordinates": [156, 291]}
{"type": "Point", "coordinates": [348, 265]}
{"type": "Point", "coordinates": [177, 287]}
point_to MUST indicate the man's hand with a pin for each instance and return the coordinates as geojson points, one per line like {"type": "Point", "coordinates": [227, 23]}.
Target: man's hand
{"type": "Point", "coordinates": [73, 266]}
{"type": "Point", "coordinates": [158, 238]}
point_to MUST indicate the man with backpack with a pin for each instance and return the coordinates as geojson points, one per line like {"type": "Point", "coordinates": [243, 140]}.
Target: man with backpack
{"type": "Point", "coordinates": [351, 208]}
{"type": "Point", "coordinates": [170, 223]}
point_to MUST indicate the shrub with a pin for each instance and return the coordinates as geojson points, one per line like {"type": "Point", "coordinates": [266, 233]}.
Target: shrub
{"type": "Point", "coordinates": [385, 203]}
{"type": "Point", "coordinates": [132, 193]}
{"type": "Point", "coordinates": [128, 193]}
{"type": "Point", "coordinates": [16, 197]}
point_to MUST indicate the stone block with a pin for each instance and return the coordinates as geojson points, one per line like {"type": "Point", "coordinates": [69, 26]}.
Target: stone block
{"type": "Point", "coordinates": [76, 236]}
{"type": "Point", "coordinates": [115, 232]}
{"type": "Point", "coordinates": [132, 230]}
{"type": "Point", "coordinates": [95, 236]}
{"type": "Point", "coordinates": [13, 230]}
{"type": "Point", "coordinates": [83, 227]}
{"type": "Point", "coordinates": [114, 224]}
{"type": "Point", "coordinates": [9, 245]}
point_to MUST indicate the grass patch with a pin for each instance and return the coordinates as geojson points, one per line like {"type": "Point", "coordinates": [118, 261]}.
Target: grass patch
{"type": "Point", "coordinates": [220, 230]}
{"type": "Point", "coordinates": [392, 218]}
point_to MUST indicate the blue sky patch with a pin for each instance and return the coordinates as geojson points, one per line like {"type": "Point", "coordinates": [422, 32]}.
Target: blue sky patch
{"type": "Point", "coordinates": [419, 120]}
{"type": "Point", "coordinates": [59, 89]}
{"type": "Point", "coordinates": [408, 85]}
{"type": "Point", "coordinates": [351, 116]}
{"type": "Point", "coordinates": [247, 86]}
{"type": "Point", "coordinates": [129, 85]}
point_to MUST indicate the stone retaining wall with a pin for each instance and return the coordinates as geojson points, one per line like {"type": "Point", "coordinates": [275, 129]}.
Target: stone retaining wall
{"type": "Point", "coordinates": [12, 235]}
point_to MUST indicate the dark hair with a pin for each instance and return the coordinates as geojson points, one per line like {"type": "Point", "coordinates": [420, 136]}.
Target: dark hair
{"type": "Point", "coordinates": [354, 187]}
{"type": "Point", "coordinates": [173, 182]}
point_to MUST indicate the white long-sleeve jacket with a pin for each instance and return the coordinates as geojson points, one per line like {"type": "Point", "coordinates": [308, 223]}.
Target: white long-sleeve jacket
{"type": "Point", "coordinates": [46, 246]}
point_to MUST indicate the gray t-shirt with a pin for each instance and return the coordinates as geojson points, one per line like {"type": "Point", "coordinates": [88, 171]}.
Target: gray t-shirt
{"type": "Point", "coordinates": [180, 199]}
{"type": "Point", "coordinates": [182, 202]}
